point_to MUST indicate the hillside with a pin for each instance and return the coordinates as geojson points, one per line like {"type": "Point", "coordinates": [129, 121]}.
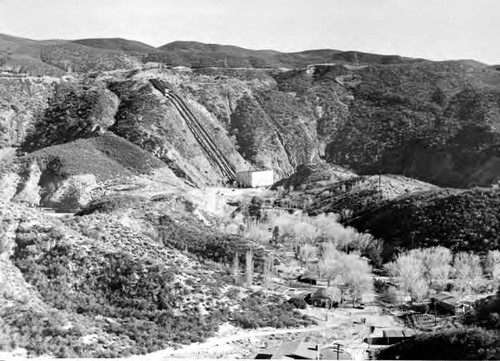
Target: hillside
{"type": "Point", "coordinates": [462, 220]}
{"type": "Point", "coordinates": [196, 54]}
{"type": "Point", "coordinates": [57, 57]}
{"type": "Point", "coordinates": [98, 286]}
{"type": "Point", "coordinates": [356, 194]}
{"type": "Point", "coordinates": [403, 212]}
{"type": "Point", "coordinates": [433, 121]}
{"type": "Point", "coordinates": [117, 44]}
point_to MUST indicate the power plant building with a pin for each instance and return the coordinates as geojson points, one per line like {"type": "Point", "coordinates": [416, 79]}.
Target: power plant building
{"type": "Point", "coordinates": [255, 178]}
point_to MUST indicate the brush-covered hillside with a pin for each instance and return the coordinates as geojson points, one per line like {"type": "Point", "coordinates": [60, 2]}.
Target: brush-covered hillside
{"type": "Point", "coordinates": [433, 121]}
{"type": "Point", "coordinates": [128, 275]}
{"type": "Point", "coordinates": [57, 57]}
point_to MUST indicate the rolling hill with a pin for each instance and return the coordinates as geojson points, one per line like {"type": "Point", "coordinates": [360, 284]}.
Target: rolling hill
{"type": "Point", "coordinates": [54, 57]}
{"type": "Point", "coordinates": [117, 44]}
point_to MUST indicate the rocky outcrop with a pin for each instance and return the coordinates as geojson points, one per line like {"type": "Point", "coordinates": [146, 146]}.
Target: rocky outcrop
{"type": "Point", "coordinates": [44, 188]}
{"type": "Point", "coordinates": [69, 193]}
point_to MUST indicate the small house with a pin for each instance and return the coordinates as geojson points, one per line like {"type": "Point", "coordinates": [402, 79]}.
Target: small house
{"type": "Point", "coordinates": [297, 350]}
{"type": "Point", "coordinates": [389, 336]}
{"type": "Point", "coordinates": [308, 277]}
{"type": "Point", "coordinates": [321, 298]}
{"type": "Point", "coordinates": [445, 303]}
{"type": "Point", "coordinates": [396, 335]}
{"type": "Point", "coordinates": [255, 178]}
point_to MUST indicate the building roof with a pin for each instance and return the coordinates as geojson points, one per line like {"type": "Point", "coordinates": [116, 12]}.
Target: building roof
{"type": "Point", "coordinates": [296, 350]}
{"type": "Point", "coordinates": [309, 275]}
{"type": "Point", "coordinates": [409, 332]}
{"type": "Point", "coordinates": [254, 171]}
{"type": "Point", "coordinates": [392, 333]}
{"type": "Point", "coordinates": [445, 299]}
{"type": "Point", "coordinates": [320, 293]}
{"type": "Point", "coordinates": [279, 288]}
{"type": "Point", "coordinates": [398, 333]}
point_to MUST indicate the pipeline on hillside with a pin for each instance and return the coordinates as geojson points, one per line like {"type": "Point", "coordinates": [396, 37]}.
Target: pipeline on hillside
{"type": "Point", "coordinates": [213, 153]}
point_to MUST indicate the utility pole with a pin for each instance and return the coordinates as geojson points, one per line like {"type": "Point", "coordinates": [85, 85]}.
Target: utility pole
{"type": "Point", "coordinates": [338, 350]}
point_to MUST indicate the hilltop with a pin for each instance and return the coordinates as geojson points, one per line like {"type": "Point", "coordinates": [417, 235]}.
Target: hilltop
{"type": "Point", "coordinates": [117, 44]}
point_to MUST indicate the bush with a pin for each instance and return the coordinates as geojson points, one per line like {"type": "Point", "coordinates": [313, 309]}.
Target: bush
{"type": "Point", "coordinates": [470, 344]}
{"type": "Point", "coordinates": [486, 313]}
{"type": "Point", "coordinates": [204, 242]}
{"type": "Point", "coordinates": [298, 303]}
{"type": "Point", "coordinates": [259, 311]}
{"type": "Point", "coordinates": [109, 204]}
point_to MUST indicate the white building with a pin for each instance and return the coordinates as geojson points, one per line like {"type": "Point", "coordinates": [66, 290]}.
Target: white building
{"type": "Point", "coordinates": [255, 178]}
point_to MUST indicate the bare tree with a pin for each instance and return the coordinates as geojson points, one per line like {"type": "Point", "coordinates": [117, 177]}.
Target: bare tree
{"type": "Point", "coordinates": [409, 270]}
{"type": "Point", "coordinates": [257, 232]}
{"type": "Point", "coordinates": [329, 265]}
{"type": "Point", "coordinates": [350, 269]}
{"type": "Point", "coordinates": [308, 253]}
{"type": "Point", "coordinates": [468, 271]}
{"type": "Point", "coordinates": [436, 264]}
{"type": "Point", "coordinates": [493, 266]}
{"type": "Point", "coordinates": [356, 275]}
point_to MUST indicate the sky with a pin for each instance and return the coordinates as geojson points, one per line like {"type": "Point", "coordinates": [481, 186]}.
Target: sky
{"type": "Point", "coordinates": [432, 29]}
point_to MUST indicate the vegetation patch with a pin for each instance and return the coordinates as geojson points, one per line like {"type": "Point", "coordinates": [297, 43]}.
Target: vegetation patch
{"type": "Point", "coordinates": [204, 243]}
{"type": "Point", "coordinates": [75, 158]}
{"type": "Point", "coordinates": [106, 157]}
{"type": "Point", "coordinates": [108, 204]}
{"type": "Point", "coordinates": [464, 344]}
{"type": "Point", "coordinates": [459, 220]}
{"type": "Point", "coordinates": [259, 310]}
{"type": "Point", "coordinates": [118, 295]}
{"type": "Point", "coordinates": [66, 118]}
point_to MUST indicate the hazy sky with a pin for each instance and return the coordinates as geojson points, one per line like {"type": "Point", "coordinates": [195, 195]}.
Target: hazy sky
{"type": "Point", "coordinates": [434, 29]}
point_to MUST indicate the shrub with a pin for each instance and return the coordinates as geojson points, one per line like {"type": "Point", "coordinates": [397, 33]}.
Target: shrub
{"type": "Point", "coordinates": [464, 344]}
{"type": "Point", "coordinates": [486, 313]}
{"type": "Point", "coordinates": [297, 303]}
{"type": "Point", "coordinates": [109, 204]}
{"type": "Point", "coordinates": [204, 242]}
{"type": "Point", "coordinates": [259, 311]}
